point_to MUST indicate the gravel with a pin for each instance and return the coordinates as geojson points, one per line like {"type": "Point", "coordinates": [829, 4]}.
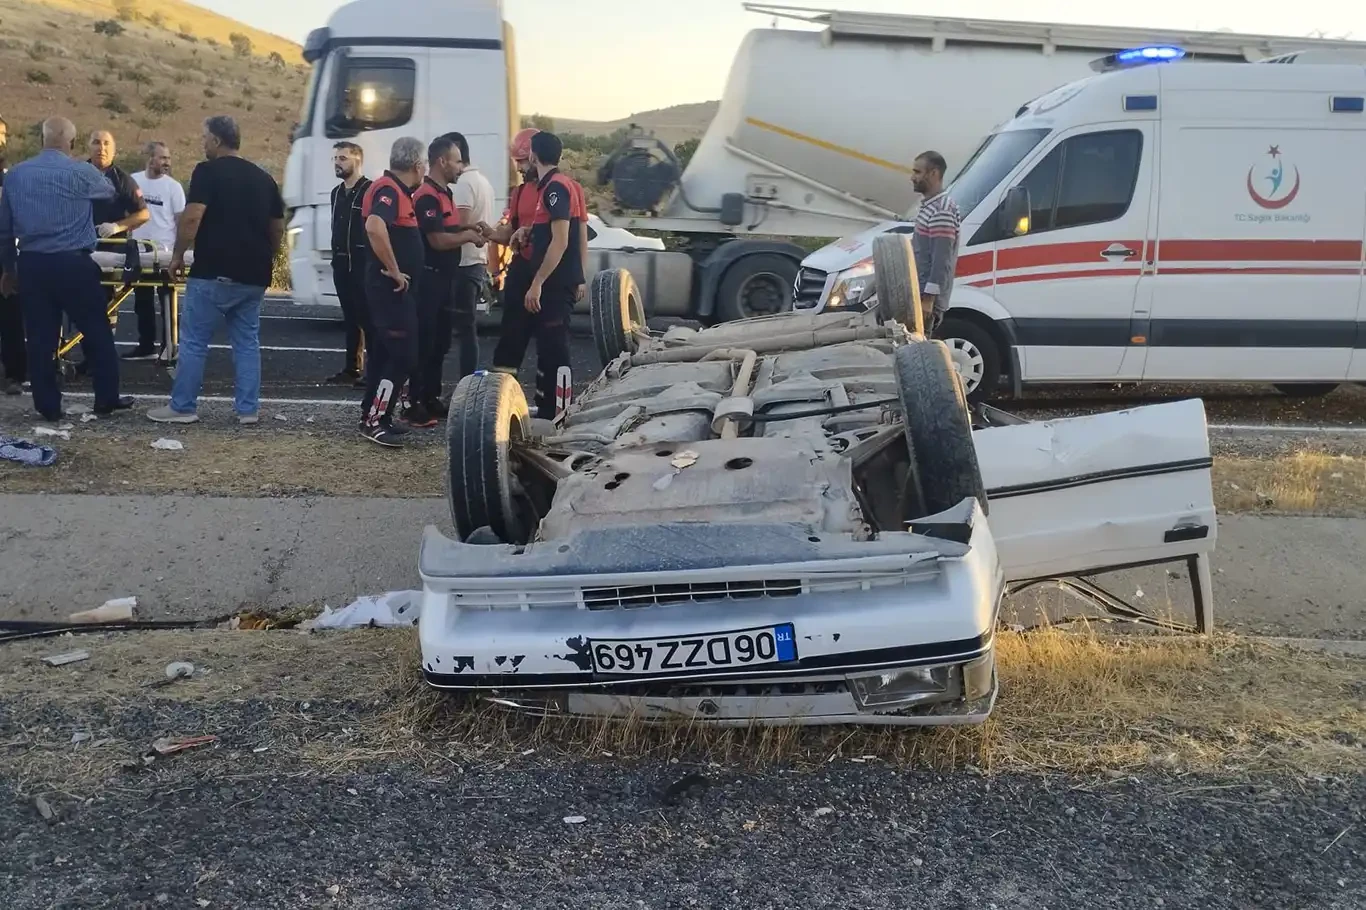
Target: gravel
{"type": "Point", "coordinates": [214, 828]}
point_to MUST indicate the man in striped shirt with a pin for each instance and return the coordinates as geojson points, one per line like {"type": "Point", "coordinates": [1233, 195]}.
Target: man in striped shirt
{"type": "Point", "coordinates": [935, 239]}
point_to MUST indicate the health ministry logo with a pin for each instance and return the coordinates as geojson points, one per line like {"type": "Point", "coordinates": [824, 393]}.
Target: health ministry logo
{"type": "Point", "coordinates": [1267, 183]}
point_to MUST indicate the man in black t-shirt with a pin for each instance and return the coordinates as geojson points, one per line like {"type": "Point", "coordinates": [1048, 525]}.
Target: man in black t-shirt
{"type": "Point", "coordinates": [235, 218]}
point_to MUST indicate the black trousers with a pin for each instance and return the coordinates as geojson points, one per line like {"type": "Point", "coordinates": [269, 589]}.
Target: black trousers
{"type": "Point", "coordinates": [49, 285]}
{"type": "Point", "coordinates": [550, 330]}
{"type": "Point", "coordinates": [391, 352]}
{"type": "Point", "coordinates": [13, 357]}
{"type": "Point", "coordinates": [446, 306]}
{"type": "Point", "coordinates": [348, 276]}
{"type": "Point", "coordinates": [145, 305]}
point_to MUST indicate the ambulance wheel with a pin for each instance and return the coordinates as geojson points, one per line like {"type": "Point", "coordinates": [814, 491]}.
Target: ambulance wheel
{"type": "Point", "coordinates": [976, 356]}
{"type": "Point", "coordinates": [1305, 389]}
{"type": "Point", "coordinates": [617, 313]}
{"type": "Point", "coordinates": [897, 285]}
{"type": "Point", "coordinates": [488, 416]}
{"type": "Point", "coordinates": [938, 426]}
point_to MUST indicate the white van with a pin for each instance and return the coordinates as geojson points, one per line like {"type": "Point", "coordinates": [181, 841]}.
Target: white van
{"type": "Point", "coordinates": [1181, 222]}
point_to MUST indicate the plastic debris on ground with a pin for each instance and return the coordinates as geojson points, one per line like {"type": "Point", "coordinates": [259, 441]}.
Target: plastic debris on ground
{"type": "Point", "coordinates": [181, 669]}
{"type": "Point", "coordinates": [61, 432]}
{"type": "Point", "coordinates": [25, 452]}
{"type": "Point", "coordinates": [168, 445]}
{"type": "Point", "coordinates": [70, 657]}
{"type": "Point", "coordinates": [574, 819]}
{"type": "Point", "coordinates": [120, 609]}
{"type": "Point", "coordinates": [88, 417]}
{"type": "Point", "coordinates": [397, 608]}
{"type": "Point", "coordinates": [168, 745]}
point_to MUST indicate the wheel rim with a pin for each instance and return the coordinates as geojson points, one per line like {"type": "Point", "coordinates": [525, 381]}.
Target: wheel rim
{"type": "Point", "coordinates": [968, 361]}
{"type": "Point", "coordinates": [764, 294]}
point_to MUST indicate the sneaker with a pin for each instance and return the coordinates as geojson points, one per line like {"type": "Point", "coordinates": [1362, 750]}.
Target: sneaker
{"type": "Point", "coordinates": [124, 403]}
{"type": "Point", "coordinates": [397, 429]}
{"type": "Point", "coordinates": [419, 418]}
{"type": "Point", "coordinates": [382, 436]}
{"type": "Point", "coordinates": [345, 377]}
{"type": "Point", "coordinates": [141, 353]}
{"type": "Point", "coordinates": [248, 420]}
{"type": "Point", "coordinates": [167, 415]}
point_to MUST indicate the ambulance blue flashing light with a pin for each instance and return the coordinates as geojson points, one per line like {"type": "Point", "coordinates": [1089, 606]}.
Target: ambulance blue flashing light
{"type": "Point", "coordinates": [1139, 56]}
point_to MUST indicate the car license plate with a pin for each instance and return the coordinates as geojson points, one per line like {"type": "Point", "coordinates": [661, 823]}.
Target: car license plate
{"type": "Point", "coordinates": [722, 651]}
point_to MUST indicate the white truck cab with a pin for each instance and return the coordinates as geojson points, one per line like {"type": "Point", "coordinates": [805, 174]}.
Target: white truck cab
{"type": "Point", "coordinates": [1183, 222]}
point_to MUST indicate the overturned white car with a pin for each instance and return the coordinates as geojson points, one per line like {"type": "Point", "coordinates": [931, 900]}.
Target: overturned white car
{"type": "Point", "coordinates": [788, 519]}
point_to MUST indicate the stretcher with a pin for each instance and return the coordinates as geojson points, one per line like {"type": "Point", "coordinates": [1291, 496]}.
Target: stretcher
{"type": "Point", "coordinates": [127, 264]}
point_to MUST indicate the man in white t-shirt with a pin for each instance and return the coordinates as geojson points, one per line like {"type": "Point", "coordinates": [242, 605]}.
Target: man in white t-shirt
{"type": "Point", "coordinates": [474, 203]}
{"type": "Point", "coordinates": [165, 199]}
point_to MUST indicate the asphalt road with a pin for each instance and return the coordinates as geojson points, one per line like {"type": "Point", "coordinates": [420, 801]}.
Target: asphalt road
{"type": "Point", "coordinates": [301, 346]}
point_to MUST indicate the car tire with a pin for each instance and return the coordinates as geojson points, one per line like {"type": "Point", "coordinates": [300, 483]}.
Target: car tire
{"type": "Point", "coordinates": [1306, 389]}
{"type": "Point", "coordinates": [770, 272]}
{"type": "Point", "coordinates": [938, 426]}
{"type": "Point", "coordinates": [616, 312]}
{"type": "Point", "coordinates": [967, 341]}
{"type": "Point", "coordinates": [488, 415]}
{"type": "Point", "coordinates": [897, 285]}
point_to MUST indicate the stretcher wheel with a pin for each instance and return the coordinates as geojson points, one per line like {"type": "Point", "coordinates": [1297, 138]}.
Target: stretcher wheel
{"type": "Point", "coordinates": [617, 313]}
{"type": "Point", "coordinates": [488, 416]}
{"type": "Point", "coordinates": [898, 287]}
{"type": "Point", "coordinates": [938, 426]}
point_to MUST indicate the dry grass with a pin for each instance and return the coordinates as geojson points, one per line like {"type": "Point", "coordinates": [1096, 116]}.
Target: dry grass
{"type": "Point", "coordinates": [272, 462]}
{"type": "Point", "coordinates": [1070, 703]}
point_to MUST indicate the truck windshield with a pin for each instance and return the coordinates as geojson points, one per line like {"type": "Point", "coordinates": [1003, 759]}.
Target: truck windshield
{"type": "Point", "coordinates": [990, 164]}
{"type": "Point", "coordinates": [305, 125]}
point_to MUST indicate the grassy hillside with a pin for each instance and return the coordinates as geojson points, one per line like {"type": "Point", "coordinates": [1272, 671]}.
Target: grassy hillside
{"type": "Point", "coordinates": [671, 124]}
{"type": "Point", "coordinates": [167, 66]}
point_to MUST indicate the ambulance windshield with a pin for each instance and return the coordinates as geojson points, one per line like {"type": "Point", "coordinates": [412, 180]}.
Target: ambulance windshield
{"type": "Point", "coordinates": [990, 164]}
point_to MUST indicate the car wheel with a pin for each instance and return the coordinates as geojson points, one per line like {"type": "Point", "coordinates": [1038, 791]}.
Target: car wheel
{"type": "Point", "coordinates": [1306, 389]}
{"type": "Point", "coordinates": [975, 355]}
{"type": "Point", "coordinates": [898, 296]}
{"type": "Point", "coordinates": [488, 416]}
{"type": "Point", "coordinates": [938, 427]}
{"type": "Point", "coordinates": [617, 313]}
{"type": "Point", "coordinates": [756, 285]}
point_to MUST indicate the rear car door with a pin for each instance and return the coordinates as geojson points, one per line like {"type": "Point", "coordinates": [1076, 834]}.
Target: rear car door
{"type": "Point", "coordinates": [1069, 284]}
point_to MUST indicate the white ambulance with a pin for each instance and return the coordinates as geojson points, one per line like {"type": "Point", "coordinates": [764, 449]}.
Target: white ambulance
{"type": "Point", "coordinates": [1185, 222]}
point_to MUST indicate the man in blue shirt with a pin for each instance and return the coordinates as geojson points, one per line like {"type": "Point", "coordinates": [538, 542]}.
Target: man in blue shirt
{"type": "Point", "coordinates": [46, 207]}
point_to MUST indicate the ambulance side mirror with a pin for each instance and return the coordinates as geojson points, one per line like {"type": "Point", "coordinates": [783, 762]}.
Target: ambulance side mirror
{"type": "Point", "coordinates": [1013, 215]}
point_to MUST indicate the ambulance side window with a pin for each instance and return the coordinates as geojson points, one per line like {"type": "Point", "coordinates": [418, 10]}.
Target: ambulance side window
{"type": "Point", "coordinates": [370, 93]}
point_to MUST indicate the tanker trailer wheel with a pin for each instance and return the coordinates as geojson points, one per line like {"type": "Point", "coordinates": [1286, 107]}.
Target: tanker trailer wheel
{"type": "Point", "coordinates": [617, 313]}
{"type": "Point", "coordinates": [938, 426]}
{"type": "Point", "coordinates": [898, 289]}
{"type": "Point", "coordinates": [760, 284]}
{"type": "Point", "coordinates": [487, 418]}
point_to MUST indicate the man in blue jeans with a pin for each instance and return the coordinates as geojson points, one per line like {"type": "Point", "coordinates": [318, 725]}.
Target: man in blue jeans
{"type": "Point", "coordinates": [235, 219]}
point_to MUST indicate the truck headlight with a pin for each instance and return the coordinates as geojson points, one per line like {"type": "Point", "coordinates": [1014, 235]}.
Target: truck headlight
{"type": "Point", "coordinates": [852, 285]}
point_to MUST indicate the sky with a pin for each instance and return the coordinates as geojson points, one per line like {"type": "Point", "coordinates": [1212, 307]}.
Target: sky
{"type": "Point", "coordinates": [645, 54]}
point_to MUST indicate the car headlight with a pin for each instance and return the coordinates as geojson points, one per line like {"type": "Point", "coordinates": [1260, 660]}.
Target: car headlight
{"type": "Point", "coordinates": [903, 688]}
{"type": "Point", "coordinates": [851, 285]}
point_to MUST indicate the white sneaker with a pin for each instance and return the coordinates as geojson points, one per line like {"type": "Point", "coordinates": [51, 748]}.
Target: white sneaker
{"type": "Point", "coordinates": [248, 420]}
{"type": "Point", "coordinates": [166, 415]}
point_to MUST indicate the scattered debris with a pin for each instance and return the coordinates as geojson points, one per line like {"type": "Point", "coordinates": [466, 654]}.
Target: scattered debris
{"type": "Point", "coordinates": [684, 459]}
{"type": "Point", "coordinates": [61, 432]}
{"type": "Point", "coordinates": [201, 902]}
{"type": "Point", "coordinates": [823, 811]}
{"type": "Point", "coordinates": [692, 781]}
{"type": "Point", "coordinates": [308, 420]}
{"type": "Point", "coordinates": [120, 609]}
{"type": "Point", "coordinates": [70, 657]}
{"type": "Point", "coordinates": [574, 819]}
{"type": "Point", "coordinates": [168, 745]}
{"type": "Point", "coordinates": [180, 669]}
{"type": "Point", "coordinates": [77, 738]}
{"type": "Point", "coordinates": [77, 410]}
{"type": "Point", "coordinates": [260, 749]}
{"type": "Point", "coordinates": [88, 417]}
{"type": "Point", "coordinates": [169, 445]}
{"type": "Point", "coordinates": [281, 417]}
{"type": "Point", "coordinates": [12, 448]}
{"type": "Point", "coordinates": [334, 890]}
{"type": "Point", "coordinates": [397, 608]}
{"type": "Point", "coordinates": [44, 809]}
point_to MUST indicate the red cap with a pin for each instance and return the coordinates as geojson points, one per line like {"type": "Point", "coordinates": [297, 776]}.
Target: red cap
{"type": "Point", "coordinates": [521, 144]}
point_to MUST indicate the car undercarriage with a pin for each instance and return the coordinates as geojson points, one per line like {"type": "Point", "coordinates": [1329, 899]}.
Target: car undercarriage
{"type": "Point", "coordinates": [791, 519]}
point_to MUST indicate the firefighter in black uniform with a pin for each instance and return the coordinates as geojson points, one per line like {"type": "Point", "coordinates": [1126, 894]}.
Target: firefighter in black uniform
{"type": "Point", "coordinates": [349, 249]}
{"type": "Point", "coordinates": [555, 238]}
{"type": "Point", "coordinates": [392, 280]}
{"type": "Point", "coordinates": [442, 239]}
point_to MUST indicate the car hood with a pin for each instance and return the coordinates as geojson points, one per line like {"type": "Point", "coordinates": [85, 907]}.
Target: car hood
{"type": "Point", "coordinates": [848, 252]}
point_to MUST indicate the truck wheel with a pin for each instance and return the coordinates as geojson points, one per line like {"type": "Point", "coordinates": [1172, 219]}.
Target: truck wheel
{"type": "Point", "coordinates": [760, 284]}
{"type": "Point", "coordinates": [897, 285]}
{"type": "Point", "coordinates": [1305, 389]}
{"type": "Point", "coordinates": [975, 354]}
{"type": "Point", "coordinates": [488, 415]}
{"type": "Point", "coordinates": [617, 312]}
{"type": "Point", "coordinates": [938, 428]}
